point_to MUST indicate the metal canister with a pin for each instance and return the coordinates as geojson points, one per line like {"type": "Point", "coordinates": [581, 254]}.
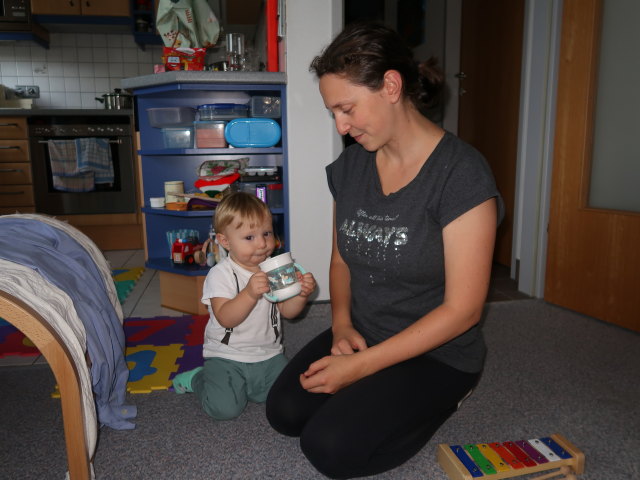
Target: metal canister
{"type": "Point", "coordinates": [171, 188]}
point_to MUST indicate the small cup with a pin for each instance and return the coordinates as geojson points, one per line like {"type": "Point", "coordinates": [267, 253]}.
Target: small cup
{"type": "Point", "coordinates": [156, 202]}
{"type": "Point", "coordinates": [283, 282]}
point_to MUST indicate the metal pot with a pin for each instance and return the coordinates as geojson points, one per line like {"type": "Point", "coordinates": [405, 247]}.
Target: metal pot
{"type": "Point", "coordinates": [116, 100]}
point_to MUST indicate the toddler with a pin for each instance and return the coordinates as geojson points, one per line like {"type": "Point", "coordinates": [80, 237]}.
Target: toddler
{"type": "Point", "coordinates": [243, 338]}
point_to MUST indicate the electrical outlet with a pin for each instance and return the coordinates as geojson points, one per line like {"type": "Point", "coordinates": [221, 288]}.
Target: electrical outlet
{"type": "Point", "coordinates": [27, 91]}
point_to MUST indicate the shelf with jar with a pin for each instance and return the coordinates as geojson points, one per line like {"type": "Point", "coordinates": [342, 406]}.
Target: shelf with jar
{"type": "Point", "coordinates": [174, 120]}
{"type": "Point", "coordinates": [144, 13]}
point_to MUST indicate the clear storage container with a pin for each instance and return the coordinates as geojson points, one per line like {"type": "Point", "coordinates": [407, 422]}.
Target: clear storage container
{"type": "Point", "coordinates": [265, 106]}
{"type": "Point", "coordinates": [210, 134]}
{"type": "Point", "coordinates": [178, 137]}
{"type": "Point", "coordinates": [167, 117]}
{"type": "Point", "coordinates": [222, 111]}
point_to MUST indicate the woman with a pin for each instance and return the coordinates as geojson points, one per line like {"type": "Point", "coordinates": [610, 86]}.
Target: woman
{"type": "Point", "coordinates": [415, 217]}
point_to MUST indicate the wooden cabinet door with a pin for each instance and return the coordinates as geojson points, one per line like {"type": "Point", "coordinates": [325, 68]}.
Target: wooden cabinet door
{"type": "Point", "coordinates": [13, 127]}
{"type": "Point", "coordinates": [14, 151]}
{"type": "Point", "coordinates": [104, 8]}
{"type": "Point", "coordinates": [109, 8]}
{"type": "Point", "coordinates": [55, 7]}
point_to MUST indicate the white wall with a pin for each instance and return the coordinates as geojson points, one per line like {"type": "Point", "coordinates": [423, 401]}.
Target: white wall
{"type": "Point", "coordinates": [312, 138]}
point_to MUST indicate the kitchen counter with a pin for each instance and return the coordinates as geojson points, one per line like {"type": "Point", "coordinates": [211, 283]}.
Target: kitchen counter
{"type": "Point", "coordinates": [36, 112]}
{"type": "Point", "coordinates": [189, 76]}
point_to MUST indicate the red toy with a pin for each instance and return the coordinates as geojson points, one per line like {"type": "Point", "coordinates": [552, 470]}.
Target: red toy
{"type": "Point", "coordinates": [183, 250]}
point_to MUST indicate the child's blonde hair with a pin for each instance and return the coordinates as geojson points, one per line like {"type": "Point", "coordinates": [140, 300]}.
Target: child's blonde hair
{"type": "Point", "coordinates": [239, 206]}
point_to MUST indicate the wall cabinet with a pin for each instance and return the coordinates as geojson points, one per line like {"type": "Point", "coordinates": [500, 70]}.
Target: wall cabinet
{"type": "Point", "coordinates": [181, 284]}
{"type": "Point", "coordinates": [16, 190]}
{"type": "Point", "coordinates": [107, 8]}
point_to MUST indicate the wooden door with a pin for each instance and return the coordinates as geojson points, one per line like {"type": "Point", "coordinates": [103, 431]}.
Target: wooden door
{"type": "Point", "coordinates": [593, 259]}
{"type": "Point", "coordinates": [490, 60]}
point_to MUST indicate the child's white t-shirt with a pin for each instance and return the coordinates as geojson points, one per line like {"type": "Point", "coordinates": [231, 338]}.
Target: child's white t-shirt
{"type": "Point", "coordinates": [254, 340]}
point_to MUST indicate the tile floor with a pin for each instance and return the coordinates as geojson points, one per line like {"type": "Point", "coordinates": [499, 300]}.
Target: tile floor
{"type": "Point", "coordinates": [144, 300]}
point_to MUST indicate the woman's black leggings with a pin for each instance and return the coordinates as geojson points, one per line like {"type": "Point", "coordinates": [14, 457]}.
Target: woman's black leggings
{"type": "Point", "coordinates": [373, 425]}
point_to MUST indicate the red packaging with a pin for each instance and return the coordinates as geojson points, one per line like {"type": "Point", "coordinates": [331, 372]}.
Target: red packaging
{"type": "Point", "coordinates": [183, 58]}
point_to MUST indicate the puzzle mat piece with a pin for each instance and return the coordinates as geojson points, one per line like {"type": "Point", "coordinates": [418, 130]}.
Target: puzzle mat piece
{"type": "Point", "coordinates": [156, 331]}
{"type": "Point", "coordinates": [150, 367]}
{"type": "Point", "coordinates": [191, 359]}
{"type": "Point", "coordinates": [122, 275]}
{"type": "Point", "coordinates": [196, 327]}
{"type": "Point", "coordinates": [14, 342]}
{"type": "Point", "coordinates": [125, 280]}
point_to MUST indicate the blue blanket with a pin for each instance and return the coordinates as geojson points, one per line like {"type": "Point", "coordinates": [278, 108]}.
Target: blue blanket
{"type": "Point", "coordinates": [65, 263]}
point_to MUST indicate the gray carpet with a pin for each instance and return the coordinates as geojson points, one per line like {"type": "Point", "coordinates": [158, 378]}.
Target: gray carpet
{"type": "Point", "coordinates": [549, 371]}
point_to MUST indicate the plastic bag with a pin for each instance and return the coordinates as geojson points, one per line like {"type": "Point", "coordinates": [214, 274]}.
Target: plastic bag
{"type": "Point", "coordinates": [184, 58]}
{"type": "Point", "coordinates": [187, 23]}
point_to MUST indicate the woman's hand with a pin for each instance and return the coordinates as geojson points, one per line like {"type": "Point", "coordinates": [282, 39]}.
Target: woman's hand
{"type": "Point", "coordinates": [332, 373]}
{"type": "Point", "coordinates": [347, 340]}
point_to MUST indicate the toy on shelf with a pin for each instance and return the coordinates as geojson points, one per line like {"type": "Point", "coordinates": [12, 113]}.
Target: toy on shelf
{"type": "Point", "coordinates": [499, 460]}
{"type": "Point", "coordinates": [183, 250]}
{"type": "Point", "coordinates": [208, 255]}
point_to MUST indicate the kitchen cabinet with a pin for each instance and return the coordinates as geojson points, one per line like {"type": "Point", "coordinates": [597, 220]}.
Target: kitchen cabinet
{"type": "Point", "coordinates": [144, 14]}
{"type": "Point", "coordinates": [181, 284]}
{"type": "Point", "coordinates": [16, 190]}
{"type": "Point", "coordinates": [106, 8]}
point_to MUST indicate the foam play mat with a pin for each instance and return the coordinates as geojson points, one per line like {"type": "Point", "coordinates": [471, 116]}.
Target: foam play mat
{"type": "Point", "coordinates": [160, 348]}
{"type": "Point", "coordinates": [125, 280]}
{"type": "Point", "coordinates": [14, 343]}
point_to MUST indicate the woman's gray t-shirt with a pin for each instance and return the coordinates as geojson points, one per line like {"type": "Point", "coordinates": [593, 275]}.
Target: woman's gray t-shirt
{"type": "Point", "coordinates": [393, 243]}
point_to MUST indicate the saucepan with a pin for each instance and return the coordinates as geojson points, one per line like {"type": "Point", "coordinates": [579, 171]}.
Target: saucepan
{"type": "Point", "coordinates": [116, 100]}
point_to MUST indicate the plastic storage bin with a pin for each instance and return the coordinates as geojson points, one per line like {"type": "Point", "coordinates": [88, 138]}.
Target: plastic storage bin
{"type": "Point", "coordinates": [265, 106]}
{"type": "Point", "coordinates": [252, 132]}
{"type": "Point", "coordinates": [275, 197]}
{"type": "Point", "coordinates": [222, 111]}
{"type": "Point", "coordinates": [210, 134]}
{"type": "Point", "coordinates": [163, 117]}
{"type": "Point", "coordinates": [178, 137]}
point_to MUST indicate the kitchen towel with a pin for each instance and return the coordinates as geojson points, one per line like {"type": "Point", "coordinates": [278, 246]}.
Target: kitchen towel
{"type": "Point", "coordinates": [94, 155]}
{"type": "Point", "coordinates": [64, 168]}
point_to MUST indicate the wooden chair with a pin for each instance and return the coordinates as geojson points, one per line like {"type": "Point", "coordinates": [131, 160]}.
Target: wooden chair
{"type": "Point", "coordinates": [34, 326]}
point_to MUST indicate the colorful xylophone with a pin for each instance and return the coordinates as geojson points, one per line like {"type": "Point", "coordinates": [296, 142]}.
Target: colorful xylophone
{"type": "Point", "coordinates": [511, 459]}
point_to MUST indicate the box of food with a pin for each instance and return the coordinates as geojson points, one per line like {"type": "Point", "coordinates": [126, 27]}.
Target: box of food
{"type": "Point", "coordinates": [210, 134]}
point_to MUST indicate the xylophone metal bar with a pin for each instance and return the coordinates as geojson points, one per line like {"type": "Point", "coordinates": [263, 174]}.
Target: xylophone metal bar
{"type": "Point", "coordinates": [456, 470]}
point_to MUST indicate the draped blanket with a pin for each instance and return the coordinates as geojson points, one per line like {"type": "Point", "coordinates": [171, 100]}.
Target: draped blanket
{"type": "Point", "coordinates": [69, 265]}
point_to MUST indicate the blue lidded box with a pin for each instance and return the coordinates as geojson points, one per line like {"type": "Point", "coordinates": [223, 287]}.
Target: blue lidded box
{"type": "Point", "coordinates": [252, 132]}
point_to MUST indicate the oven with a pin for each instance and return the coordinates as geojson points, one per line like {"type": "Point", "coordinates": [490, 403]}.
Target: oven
{"type": "Point", "coordinates": [15, 11]}
{"type": "Point", "coordinates": [114, 193]}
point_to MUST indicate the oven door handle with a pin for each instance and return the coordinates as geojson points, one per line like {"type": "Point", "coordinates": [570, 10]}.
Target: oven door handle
{"type": "Point", "coordinates": [47, 141]}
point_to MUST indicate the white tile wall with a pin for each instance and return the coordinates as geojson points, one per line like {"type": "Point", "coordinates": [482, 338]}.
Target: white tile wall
{"type": "Point", "coordinates": [77, 67]}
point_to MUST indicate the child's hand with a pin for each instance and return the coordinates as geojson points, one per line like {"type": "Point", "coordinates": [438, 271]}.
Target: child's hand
{"type": "Point", "coordinates": [257, 285]}
{"type": "Point", "coordinates": [307, 282]}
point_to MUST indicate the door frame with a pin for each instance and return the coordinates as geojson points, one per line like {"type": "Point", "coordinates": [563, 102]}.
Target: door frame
{"type": "Point", "coordinates": [541, 46]}
{"type": "Point", "coordinates": [541, 52]}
